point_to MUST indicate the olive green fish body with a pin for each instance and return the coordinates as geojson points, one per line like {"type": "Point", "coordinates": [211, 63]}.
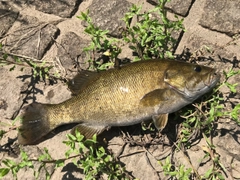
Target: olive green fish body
{"type": "Point", "coordinates": [114, 97]}
{"type": "Point", "coordinates": [124, 96]}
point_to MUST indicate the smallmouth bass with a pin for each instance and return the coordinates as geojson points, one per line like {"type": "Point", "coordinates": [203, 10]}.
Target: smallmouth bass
{"type": "Point", "coordinates": [118, 97]}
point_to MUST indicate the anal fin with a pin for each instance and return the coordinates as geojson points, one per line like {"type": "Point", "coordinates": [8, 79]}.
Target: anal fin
{"type": "Point", "coordinates": [160, 121]}
{"type": "Point", "coordinates": [87, 130]}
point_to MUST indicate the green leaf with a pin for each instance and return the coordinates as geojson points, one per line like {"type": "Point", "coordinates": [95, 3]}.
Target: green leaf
{"type": "Point", "coordinates": [4, 172]}
{"type": "Point", "coordinates": [232, 87]}
{"type": "Point", "coordinates": [59, 163]}
{"type": "Point", "coordinates": [24, 155]}
{"type": "Point", "coordinates": [71, 137]}
{"type": "Point", "coordinates": [5, 56]}
{"type": "Point", "coordinates": [133, 48]}
{"type": "Point", "coordinates": [231, 73]}
{"type": "Point", "coordinates": [2, 132]}
{"type": "Point", "coordinates": [208, 173]}
{"type": "Point", "coordinates": [9, 163]}
{"type": "Point", "coordinates": [68, 153]}
{"type": "Point", "coordinates": [47, 175]}
{"type": "Point", "coordinates": [220, 176]}
{"type": "Point", "coordinates": [12, 68]}
{"type": "Point", "coordinates": [236, 113]}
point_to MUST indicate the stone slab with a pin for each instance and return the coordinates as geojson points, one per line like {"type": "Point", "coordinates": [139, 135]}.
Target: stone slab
{"type": "Point", "coordinates": [108, 14]}
{"type": "Point", "coordinates": [176, 6]}
{"type": "Point", "coordinates": [70, 52]}
{"type": "Point", "coordinates": [32, 39]}
{"type": "Point", "coordinates": [222, 16]}
{"type": "Point", "coordinates": [63, 8]}
{"type": "Point", "coordinates": [8, 15]}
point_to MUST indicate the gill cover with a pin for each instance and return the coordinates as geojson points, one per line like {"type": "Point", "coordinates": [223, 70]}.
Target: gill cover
{"type": "Point", "coordinates": [191, 80]}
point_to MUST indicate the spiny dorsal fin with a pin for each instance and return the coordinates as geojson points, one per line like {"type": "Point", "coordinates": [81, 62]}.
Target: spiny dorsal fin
{"type": "Point", "coordinates": [160, 121]}
{"type": "Point", "coordinates": [81, 80]}
{"type": "Point", "coordinates": [88, 131]}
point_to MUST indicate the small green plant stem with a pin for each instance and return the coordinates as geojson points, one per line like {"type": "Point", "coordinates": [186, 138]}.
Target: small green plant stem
{"type": "Point", "coordinates": [217, 166]}
{"type": "Point", "coordinates": [187, 159]}
{"type": "Point", "coordinates": [23, 59]}
{"type": "Point", "coordinates": [55, 160]}
{"type": "Point", "coordinates": [199, 107]}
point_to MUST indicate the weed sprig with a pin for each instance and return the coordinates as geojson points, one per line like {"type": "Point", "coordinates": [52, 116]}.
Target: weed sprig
{"type": "Point", "coordinates": [152, 37]}
{"type": "Point", "coordinates": [87, 155]}
{"type": "Point", "coordinates": [41, 69]}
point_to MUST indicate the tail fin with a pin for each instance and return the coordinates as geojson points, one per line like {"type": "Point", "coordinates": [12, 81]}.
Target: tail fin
{"type": "Point", "coordinates": [35, 124]}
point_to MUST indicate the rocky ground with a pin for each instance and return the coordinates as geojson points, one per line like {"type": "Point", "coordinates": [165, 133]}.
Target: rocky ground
{"type": "Point", "coordinates": [51, 31]}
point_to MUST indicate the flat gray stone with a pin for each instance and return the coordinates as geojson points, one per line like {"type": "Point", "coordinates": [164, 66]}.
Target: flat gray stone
{"type": "Point", "coordinates": [32, 38]}
{"type": "Point", "coordinates": [222, 16]}
{"type": "Point", "coordinates": [70, 53]}
{"type": "Point", "coordinates": [197, 43]}
{"type": "Point", "coordinates": [179, 6]}
{"type": "Point", "coordinates": [8, 15]}
{"type": "Point", "coordinates": [108, 14]}
{"type": "Point", "coordinates": [63, 8]}
{"type": "Point", "coordinates": [176, 6]}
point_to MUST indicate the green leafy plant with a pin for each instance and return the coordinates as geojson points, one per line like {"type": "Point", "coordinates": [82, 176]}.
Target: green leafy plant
{"type": "Point", "coordinates": [177, 172]}
{"type": "Point", "coordinates": [201, 121]}
{"type": "Point", "coordinates": [217, 169]}
{"type": "Point", "coordinates": [152, 37]}
{"type": "Point", "coordinates": [231, 73]}
{"type": "Point", "coordinates": [149, 37]}
{"type": "Point", "coordinates": [40, 69]}
{"type": "Point", "coordinates": [14, 167]}
{"type": "Point", "coordinates": [94, 161]}
{"type": "Point", "coordinates": [100, 42]}
{"type": "Point", "coordinates": [26, 162]}
{"type": "Point", "coordinates": [87, 155]}
{"type": "Point", "coordinates": [207, 112]}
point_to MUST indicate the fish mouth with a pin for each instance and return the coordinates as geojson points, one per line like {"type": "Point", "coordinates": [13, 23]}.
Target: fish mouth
{"type": "Point", "coordinates": [213, 79]}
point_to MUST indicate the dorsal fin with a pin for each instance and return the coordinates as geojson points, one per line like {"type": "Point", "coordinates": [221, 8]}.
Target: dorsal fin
{"type": "Point", "coordinates": [81, 80]}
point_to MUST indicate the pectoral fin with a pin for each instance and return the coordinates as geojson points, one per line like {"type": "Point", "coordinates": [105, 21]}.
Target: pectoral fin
{"type": "Point", "coordinates": [160, 121]}
{"type": "Point", "coordinates": [88, 131]}
{"type": "Point", "coordinates": [156, 97]}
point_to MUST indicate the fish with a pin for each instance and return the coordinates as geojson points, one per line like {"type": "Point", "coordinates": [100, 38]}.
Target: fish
{"type": "Point", "coordinates": [122, 96]}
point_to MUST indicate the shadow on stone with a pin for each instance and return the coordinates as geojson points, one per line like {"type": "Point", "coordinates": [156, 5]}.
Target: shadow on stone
{"type": "Point", "coordinates": [69, 169]}
{"type": "Point", "coordinates": [31, 90]}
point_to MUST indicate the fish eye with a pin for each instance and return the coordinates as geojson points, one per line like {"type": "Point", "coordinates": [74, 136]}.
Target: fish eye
{"type": "Point", "coordinates": [197, 68]}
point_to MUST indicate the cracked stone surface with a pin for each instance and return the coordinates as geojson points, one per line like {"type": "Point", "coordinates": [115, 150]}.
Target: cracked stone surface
{"type": "Point", "coordinates": [8, 15]}
{"type": "Point", "coordinates": [71, 51]}
{"type": "Point", "coordinates": [177, 6]}
{"type": "Point", "coordinates": [51, 31]}
{"type": "Point", "coordinates": [63, 8]}
{"type": "Point", "coordinates": [107, 14]}
{"type": "Point", "coordinates": [32, 39]}
{"type": "Point", "coordinates": [222, 16]}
